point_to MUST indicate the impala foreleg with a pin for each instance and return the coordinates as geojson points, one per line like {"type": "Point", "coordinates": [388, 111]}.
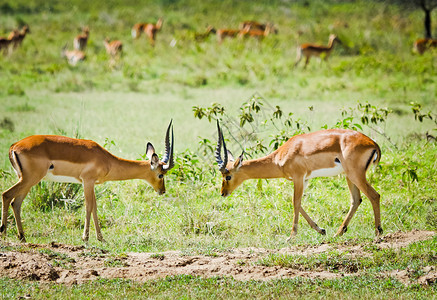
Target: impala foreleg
{"type": "Point", "coordinates": [91, 208]}
{"type": "Point", "coordinates": [355, 202]}
{"type": "Point", "coordinates": [297, 198]}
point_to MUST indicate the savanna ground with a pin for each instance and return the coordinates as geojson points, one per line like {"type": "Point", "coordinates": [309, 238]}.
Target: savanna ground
{"type": "Point", "coordinates": [191, 243]}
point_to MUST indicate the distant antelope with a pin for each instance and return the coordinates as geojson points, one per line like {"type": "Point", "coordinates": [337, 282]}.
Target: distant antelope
{"type": "Point", "coordinates": [224, 33]}
{"type": "Point", "coordinates": [258, 25]}
{"type": "Point", "coordinates": [203, 36]}
{"type": "Point", "coordinates": [309, 50]}
{"type": "Point", "coordinates": [149, 29]}
{"type": "Point", "coordinates": [73, 56]}
{"type": "Point", "coordinates": [421, 45]}
{"type": "Point", "coordinates": [20, 35]}
{"type": "Point", "coordinates": [249, 31]}
{"type": "Point", "coordinates": [13, 38]}
{"type": "Point", "coordinates": [81, 40]}
{"type": "Point", "coordinates": [113, 48]}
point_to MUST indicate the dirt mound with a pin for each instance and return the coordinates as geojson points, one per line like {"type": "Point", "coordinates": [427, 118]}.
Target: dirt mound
{"type": "Point", "coordinates": [77, 264]}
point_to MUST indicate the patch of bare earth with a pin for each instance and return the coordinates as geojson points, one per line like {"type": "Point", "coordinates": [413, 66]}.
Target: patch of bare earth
{"type": "Point", "coordinates": [77, 264]}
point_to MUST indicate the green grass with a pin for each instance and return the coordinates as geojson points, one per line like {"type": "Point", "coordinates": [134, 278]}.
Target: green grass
{"type": "Point", "coordinates": [191, 287]}
{"type": "Point", "coordinates": [122, 107]}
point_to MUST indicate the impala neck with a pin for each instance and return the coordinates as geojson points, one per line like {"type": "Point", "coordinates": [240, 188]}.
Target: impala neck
{"type": "Point", "coordinates": [330, 44]}
{"type": "Point", "coordinates": [124, 169]}
{"type": "Point", "coordinates": [261, 168]}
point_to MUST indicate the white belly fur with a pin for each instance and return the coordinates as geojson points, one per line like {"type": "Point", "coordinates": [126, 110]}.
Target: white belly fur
{"type": "Point", "coordinates": [59, 178]}
{"type": "Point", "coordinates": [328, 172]}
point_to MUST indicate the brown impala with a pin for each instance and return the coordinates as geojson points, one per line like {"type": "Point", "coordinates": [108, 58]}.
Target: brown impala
{"type": "Point", "coordinates": [64, 159]}
{"type": "Point", "coordinates": [319, 154]}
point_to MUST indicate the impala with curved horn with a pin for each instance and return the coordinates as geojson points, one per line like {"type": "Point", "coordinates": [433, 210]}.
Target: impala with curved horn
{"type": "Point", "coordinates": [322, 153]}
{"type": "Point", "coordinates": [63, 159]}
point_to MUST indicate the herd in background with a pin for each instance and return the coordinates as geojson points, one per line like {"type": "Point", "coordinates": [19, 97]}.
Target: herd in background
{"type": "Point", "coordinates": [246, 29]}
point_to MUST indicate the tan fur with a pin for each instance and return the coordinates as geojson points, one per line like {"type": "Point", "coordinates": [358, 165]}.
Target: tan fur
{"type": "Point", "coordinates": [309, 50]}
{"type": "Point", "coordinates": [67, 159]}
{"type": "Point", "coordinates": [343, 150]}
{"type": "Point", "coordinates": [422, 45]}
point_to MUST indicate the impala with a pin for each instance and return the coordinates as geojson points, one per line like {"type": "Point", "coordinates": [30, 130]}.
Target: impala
{"type": "Point", "coordinates": [421, 45]}
{"type": "Point", "coordinates": [20, 35]}
{"type": "Point", "coordinates": [149, 29]}
{"type": "Point", "coordinates": [319, 154]}
{"type": "Point", "coordinates": [309, 50]}
{"type": "Point", "coordinates": [73, 56]}
{"type": "Point", "coordinates": [113, 48]}
{"type": "Point", "coordinates": [255, 32]}
{"type": "Point", "coordinates": [64, 159]}
{"type": "Point", "coordinates": [203, 36]}
{"type": "Point", "coordinates": [224, 33]}
{"type": "Point", "coordinates": [81, 40]}
{"type": "Point", "coordinates": [257, 25]}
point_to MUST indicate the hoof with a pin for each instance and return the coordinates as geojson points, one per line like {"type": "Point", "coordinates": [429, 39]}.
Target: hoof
{"type": "Point", "coordinates": [323, 231]}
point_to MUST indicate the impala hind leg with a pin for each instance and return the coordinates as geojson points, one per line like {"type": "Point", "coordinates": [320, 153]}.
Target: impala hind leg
{"type": "Point", "coordinates": [355, 202]}
{"type": "Point", "coordinates": [14, 196]}
{"type": "Point", "coordinates": [365, 187]}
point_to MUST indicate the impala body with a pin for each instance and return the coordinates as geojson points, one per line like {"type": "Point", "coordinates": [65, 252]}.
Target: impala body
{"type": "Point", "coordinates": [63, 159]}
{"type": "Point", "coordinates": [256, 32]}
{"type": "Point", "coordinates": [318, 154]}
{"type": "Point", "coordinates": [257, 25]}
{"type": "Point", "coordinates": [421, 45]}
{"type": "Point", "coordinates": [203, 36]}
{"type": "Point", "coordinates": [73, 56]}
{"type": "Point", "coordinates": [81, 40]}
{"type": "Point", "coordinates": [113, 48]}
{"type": "Point", "coordinates": [309, 50]}
{"type": "Point", "coordinates": [224, 33]}
{"type": "Point", "coordinates": [149, 29]}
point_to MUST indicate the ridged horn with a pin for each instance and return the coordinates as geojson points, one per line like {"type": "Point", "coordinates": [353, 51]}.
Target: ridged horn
{"type": "Point", "coordinates": [168, 154]}
{"type": "Point", "coordinates": [221, 141]}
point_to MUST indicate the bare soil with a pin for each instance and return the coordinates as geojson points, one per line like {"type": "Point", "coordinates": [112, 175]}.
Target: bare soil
{"type": "Point", "coordinates": [78, 264]}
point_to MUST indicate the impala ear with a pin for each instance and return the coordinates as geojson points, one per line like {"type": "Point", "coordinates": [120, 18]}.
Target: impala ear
{"type": "Point", "coordinates": [150, 150]}
{"type": "Point", "coordinates": [154, 161]}
{"type": "Point", "coordinates": [230, 156]}
{"type": "Point", "coordinates": [239, 161]}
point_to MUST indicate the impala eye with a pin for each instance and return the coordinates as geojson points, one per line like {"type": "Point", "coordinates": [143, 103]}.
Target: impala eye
{"type": "Point", "coordinates": [228, 178]}
{"type": "Point", "coordinates": [160, 176]}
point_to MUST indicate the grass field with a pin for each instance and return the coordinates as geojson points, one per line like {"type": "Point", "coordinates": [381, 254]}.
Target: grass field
{"type": "Point", "coordinates": [124, 105]}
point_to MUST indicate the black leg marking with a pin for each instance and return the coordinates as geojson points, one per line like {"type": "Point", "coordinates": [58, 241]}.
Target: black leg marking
{"type": "Point", "coordinates": [361, 200]}
{"type": "Point", "coordinates": [323, 232]}
{"type": "Point", "coordinates": [344, 229]}
{"type": "Point", "coordinates": [51, 167]}
{"type": "Point", "coordinates": [337, 160]}
{"type": "Point", "coordinates": [2, 228]}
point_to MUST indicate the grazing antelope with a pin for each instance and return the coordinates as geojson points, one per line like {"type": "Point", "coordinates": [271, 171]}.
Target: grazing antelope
{"type": "Point", "coordinates": [64, 159]}
{"type": "Point", "coordinates": [309, 50]}
{"type": "Point", "coordinates": [319, 154]}
{"type": "Point", "coordinates": [421, 45]}
{"type": "Point", "coordinates": [203, 36]}
{"type": "Point", "coordinates": [81, 40]}
{"type": "Point", "coordinates": [10, 42]}
{"type": "Point", "coordinates": [224, 33]}
{"type": "Point", "coordinates": [258, 25]}
{"type": "Point", "coordinates": [73, 56]}
{"type": "Point", "coordinates": [113, 48]}
{"type": "Point", "coordinates": [255, 32]}
{"type": "Point", "coordinates": [20, 35]}
{"type": "Point", "coordinates": [149, 29]}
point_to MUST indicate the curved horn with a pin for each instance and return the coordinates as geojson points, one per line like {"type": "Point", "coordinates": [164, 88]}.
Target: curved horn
{"type": "Point", "coordinates": [168, 155]}
{"type": "Point", "coordinates": [221, 141]}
